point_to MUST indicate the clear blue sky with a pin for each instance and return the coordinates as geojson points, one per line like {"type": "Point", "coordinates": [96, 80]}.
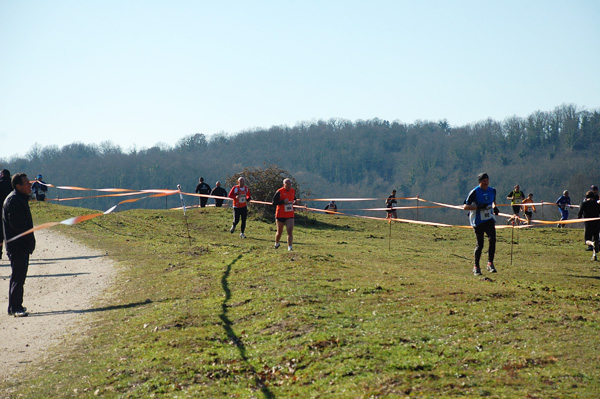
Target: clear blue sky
{"type": "Point", "coordinates": [138, 73]}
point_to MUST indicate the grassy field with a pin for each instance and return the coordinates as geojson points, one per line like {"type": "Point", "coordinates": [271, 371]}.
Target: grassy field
{"type": "Point", "coordinates": [348, 314]}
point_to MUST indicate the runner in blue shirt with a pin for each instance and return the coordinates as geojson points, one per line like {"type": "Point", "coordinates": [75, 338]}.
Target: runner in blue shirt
{"type": "Point", "coordinates": [481, 204]}
{"type": "Point", "coordinates": [564, 203]}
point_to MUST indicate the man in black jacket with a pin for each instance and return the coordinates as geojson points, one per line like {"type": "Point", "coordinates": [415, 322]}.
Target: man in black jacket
{"type": "Point", "coordinates": [16, 219]}
{"type": "Point", "coordinates": [5, 189]}
{"type": "Point", "coordinates": [203, 188]}
{"type": "Point", "coordinates": [590, 208]}
{"type": "Point", "coordinates": [219, 191]}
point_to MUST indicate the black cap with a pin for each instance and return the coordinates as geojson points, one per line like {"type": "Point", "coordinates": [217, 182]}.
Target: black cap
{"type": "Point", "coordinates": [482, 176]}
{"type": "Point", "coordinates": [594, 188]}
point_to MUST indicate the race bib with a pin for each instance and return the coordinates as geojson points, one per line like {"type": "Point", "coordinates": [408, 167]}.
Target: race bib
{"type": "Point", "coordinates": [242, 199]}
{"type": "Point", "coordinates": [485, 214]}
{"type": "Point", "coordinates": [289, 207]}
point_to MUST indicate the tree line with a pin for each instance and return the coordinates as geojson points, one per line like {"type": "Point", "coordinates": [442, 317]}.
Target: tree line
{"type": "Point", "coordinates": [545, 152]}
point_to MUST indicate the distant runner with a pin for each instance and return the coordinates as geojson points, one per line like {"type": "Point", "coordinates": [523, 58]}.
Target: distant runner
{"type": "Point", "coordinates": [564, 203]}
{"type": "Point", "coordinates": [284, 199]}
{"type": "Point", "coordinates": [527, 209]}
{"type": "Point", "coordinates": [516, 197]}
{"type": "Point", "coordinates": [481, 202]}
{"type": "Point", "coordinates": [240, 195]}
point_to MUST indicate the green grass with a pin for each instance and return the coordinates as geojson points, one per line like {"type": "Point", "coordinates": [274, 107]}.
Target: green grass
{"type": "Point", "coordinates": [342, 316]}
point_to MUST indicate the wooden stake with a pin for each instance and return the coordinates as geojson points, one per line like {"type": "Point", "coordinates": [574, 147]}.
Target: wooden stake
{"type": "Point", "coordinates": [390, 237]}
{"type": "Point", "coordinates": [512, 241]}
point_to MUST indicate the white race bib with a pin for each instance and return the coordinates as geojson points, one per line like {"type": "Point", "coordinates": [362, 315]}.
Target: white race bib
{"type": "Point", "coordinates": [485, 214]}
{"type": "Point", "coordinates": [289, 207]}
{"type": "Point", "coordinates": [242, 199]}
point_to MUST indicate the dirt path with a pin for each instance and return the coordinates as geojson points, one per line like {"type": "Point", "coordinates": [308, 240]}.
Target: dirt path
{"type": "Point", "coordinates": [64, 278]}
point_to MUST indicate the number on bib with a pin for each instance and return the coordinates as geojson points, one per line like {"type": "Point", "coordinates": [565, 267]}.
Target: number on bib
{"type": "Point", "coordinates": [484, 214]}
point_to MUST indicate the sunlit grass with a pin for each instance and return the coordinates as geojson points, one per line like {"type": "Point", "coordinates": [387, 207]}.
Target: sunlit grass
{"type": "Point", "coordinates": [353, 312]}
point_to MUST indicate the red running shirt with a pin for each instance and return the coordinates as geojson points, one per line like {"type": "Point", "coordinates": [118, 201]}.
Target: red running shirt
{"type": "Point", "coordinates": [283, 210]}
{"type": "Point", "coordinates": [240, 196]}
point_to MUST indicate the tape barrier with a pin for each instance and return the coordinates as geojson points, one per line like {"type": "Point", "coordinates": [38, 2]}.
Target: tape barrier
{"type": "Point", "coordinates": [207, 196]}
{"type": "Point", "coordinates": [353, 199]}
{"type": "Point", "coordinates": [94, 196]}
{"type": "Point", "coordinates": [78, 219]}
{"type": "Point", "coordinates": [120, 192]}
{"type": "Point", "coordinates": [371, 217]}
{"type": "Point", "coordinates": [412, 221]}
{"type": "Point", "coordinates": [125, 191]}
{"type": "Point", "coordinates": [522, 205]}
{"type": "Point", "coordinates": [166, 192]}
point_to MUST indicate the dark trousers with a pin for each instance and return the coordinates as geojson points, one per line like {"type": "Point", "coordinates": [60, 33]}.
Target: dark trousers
{"type": "Point", "coordinates": [237, 213]}
{"type": "Point", "coordinates": [218, 203]}
{"type": "Point", "coordinates": [19, 262]}
{"type": "Point", "coordinates": [488, 228]}
{"type": "Point", "coordinates": [203, 201]}
{"type": "Point", "coordinates": [591, 231]}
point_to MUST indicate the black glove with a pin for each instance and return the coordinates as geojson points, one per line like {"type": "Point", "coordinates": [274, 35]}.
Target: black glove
{"type": "Point", "coordinates": [496, 211]}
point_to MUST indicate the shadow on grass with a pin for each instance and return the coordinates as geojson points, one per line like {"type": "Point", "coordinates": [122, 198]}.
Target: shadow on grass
{"type": "Point", "coordinates": [309, 223]}
{"type": "Point", "coordinates": [592, 277]}
{"type": "Point", "coordinates": [228, 326]}
{"type": "Point", "coordinates": [47, 275]}
{"type": "Point", "coordinates": [57, 275]}
{"type": "Point", "coordinates": [51, 260]}
{"type": "Point", "coordinates": [102, 309]}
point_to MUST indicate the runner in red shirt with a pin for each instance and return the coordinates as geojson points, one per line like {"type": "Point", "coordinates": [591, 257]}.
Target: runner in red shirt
{"type": "Point", "coordinates": [284, 199]}
{"type": "Point", "coordinates": [240, 195]}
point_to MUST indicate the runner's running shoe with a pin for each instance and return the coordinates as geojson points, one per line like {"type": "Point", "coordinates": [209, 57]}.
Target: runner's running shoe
{"type": "Point", "coordinates": [476, 271]}
{"type": "Point", "coordinates": [242, 235]}
{"type": "Point", "coordinates": [277, 245]}
{"type": "Point", "coordinates": [490, 267]}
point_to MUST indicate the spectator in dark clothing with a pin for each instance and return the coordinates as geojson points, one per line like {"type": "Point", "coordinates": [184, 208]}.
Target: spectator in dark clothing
{"type": "Point", "coordinates": [39, 188]}
{"type": "Point", "coordinates": [331, 207]}
{"type": "Point", "coordinates": [219, 191]}
{"type": "Point", "coordinates": [5, 189]}
{"type": "Point", "coordinates": [203, 188]}
{"type": "Point", "coordinates": [590, 208]}
{"type": "Point", "coordinates": [389, 203]}
{"type": "Point", "coordinates": [16, 219]}
{"type": "Point", "coordinates": [594, 190]}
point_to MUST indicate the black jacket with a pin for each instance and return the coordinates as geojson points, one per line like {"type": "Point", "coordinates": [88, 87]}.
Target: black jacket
{"type": "Point", "coordinates": [203, 188]}
{"type": "Point", "coordinates": [590, 208]}
{"type": "Point", "coordinates": [219, 192]}
{"type": "Point", "coordinates": [16, 219]}
{"type": "Point", "coordinates": [5, 187]}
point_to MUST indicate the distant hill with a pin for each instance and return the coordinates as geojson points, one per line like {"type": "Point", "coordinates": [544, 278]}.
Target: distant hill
{"type": "Point", "coordinates": [546, 153]}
